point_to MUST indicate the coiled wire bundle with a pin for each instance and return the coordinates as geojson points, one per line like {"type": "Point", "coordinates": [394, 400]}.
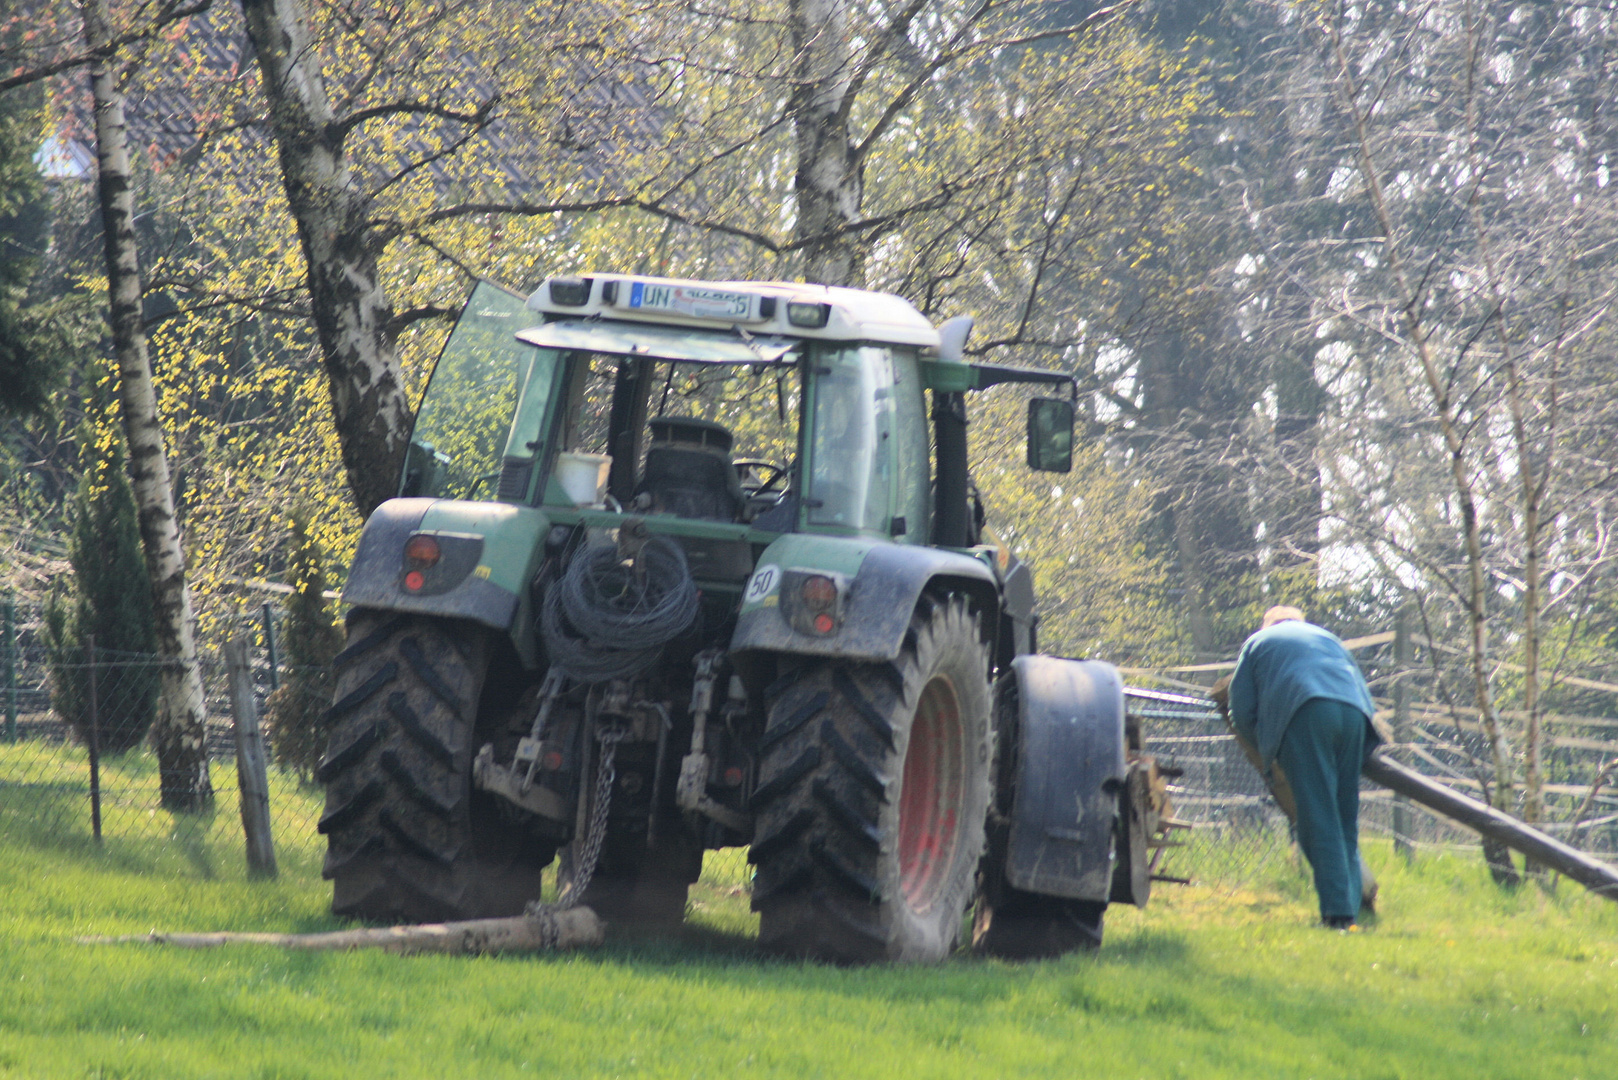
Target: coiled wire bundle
{"type": "Point", "coordinates": [607, 619]}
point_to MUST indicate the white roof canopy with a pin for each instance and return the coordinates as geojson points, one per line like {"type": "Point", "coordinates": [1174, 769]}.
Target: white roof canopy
{"type": "Point", "coordinates": [764, 308]}
{"type": "Point", "coordinates": [658, 342]}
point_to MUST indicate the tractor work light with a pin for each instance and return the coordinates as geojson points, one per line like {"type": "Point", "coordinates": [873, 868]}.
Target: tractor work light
{"type": "Point", "coordinates": [808, 316]}
{"type": "Point", "coordinates": [570, 291]}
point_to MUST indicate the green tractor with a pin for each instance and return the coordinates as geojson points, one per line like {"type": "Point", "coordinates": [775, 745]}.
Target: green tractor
{"type": "Point", "coordinates": [679, 565]}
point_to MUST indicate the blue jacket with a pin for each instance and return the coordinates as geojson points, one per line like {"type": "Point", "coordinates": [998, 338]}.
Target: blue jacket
{"type": "Point", "coordinates": [1281, 668]}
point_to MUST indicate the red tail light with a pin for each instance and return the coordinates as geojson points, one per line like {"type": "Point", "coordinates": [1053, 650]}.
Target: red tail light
{"type": "Point", "coordinates": [421, 552]}
{"type": "Point", "coordinates": [819, 592]}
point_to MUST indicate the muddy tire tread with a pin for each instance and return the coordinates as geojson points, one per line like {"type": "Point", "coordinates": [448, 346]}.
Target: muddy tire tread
{"type": "Point", "coordinates": [825, 837]}
{"type": "Point", "coordinates": [398, 822]}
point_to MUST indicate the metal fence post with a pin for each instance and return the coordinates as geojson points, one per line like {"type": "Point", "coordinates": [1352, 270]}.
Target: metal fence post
{"type": "Point", "coordinates": [8, 646]}
{"type": "Point", "coordinates": [269, 648]}
{"type": "Point", "coordinates": [251, 772]}
{"type": "Point", "coordinates": [95, 742]}
{"type": "Point", "coordinates": [1402, 654]}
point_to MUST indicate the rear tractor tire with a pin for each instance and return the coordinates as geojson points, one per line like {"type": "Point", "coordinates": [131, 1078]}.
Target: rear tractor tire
{"type": "Point", "coordinates": [399, 822]}
{"type": "Point", "coordinates": [874, 784]}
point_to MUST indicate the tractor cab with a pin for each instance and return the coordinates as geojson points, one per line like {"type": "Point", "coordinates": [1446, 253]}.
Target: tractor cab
{"type": "Point", "coordinates": [776, 406]}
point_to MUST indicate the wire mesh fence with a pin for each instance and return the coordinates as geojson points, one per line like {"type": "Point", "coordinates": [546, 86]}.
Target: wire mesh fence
{"type": "Point", "coordinates": [77, 765]}
{"type": "Point", "coordinates": [73, 763]}
{"type": "Point", "coordinates": [1238, 830]}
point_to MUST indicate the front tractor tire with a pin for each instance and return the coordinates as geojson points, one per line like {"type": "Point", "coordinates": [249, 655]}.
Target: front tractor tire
{"type": "Point", "coordinates": [1013, 924]}
{"type": "Point", "coordinates": [874, 784]}
{"type": "Point", "coordinates": [401, 818]}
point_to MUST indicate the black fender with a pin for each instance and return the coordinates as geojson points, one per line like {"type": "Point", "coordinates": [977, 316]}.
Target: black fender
{"type": "Point", "coordinates": [374, 578]}
{"type": "Point", "coordinates": [875, 611]}
{"type": "Point", "coordinates": [1070, 768]}
{"type": "Point", "coordinates": [1017, 632]}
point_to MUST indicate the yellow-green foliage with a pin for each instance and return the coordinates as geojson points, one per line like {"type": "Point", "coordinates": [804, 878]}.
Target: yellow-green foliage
{"type": "Point", "coordinates": [309, 641]}
{"type": "Point", "coordinates": [1102, 592]}
{"type": "Point", "coordinates": [242, 391]}
{"type": "Point", "coordinates": [1045, 165]}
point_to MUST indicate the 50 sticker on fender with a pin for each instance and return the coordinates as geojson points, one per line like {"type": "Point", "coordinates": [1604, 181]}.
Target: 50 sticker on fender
{"type": "Point", "coordinates": [765, 581]}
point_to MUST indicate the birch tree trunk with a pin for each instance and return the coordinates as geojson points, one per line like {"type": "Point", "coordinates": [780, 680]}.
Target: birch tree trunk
{"type": "Point", "coordinates": [829, 185]}
{"type": "Point", "coordinates": [1412, 308]}
{"type": "Point", "coordinates": [352, 314]}
{"type": "Point", "coordinates": [179, 733]}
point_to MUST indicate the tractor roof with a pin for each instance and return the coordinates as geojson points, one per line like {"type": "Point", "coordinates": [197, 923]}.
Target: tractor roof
{"type": "Point", "coordinates": [758, 307]}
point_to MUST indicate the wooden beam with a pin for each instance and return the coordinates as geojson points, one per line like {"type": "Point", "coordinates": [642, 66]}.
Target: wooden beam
{"type": "Point", "coordinates": [1492, 824]}
{"type": "Point", "coordinates": [543, 929]}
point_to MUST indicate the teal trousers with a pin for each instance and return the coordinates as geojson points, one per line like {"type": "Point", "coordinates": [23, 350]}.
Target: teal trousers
{"type": "Point", "coordinates": [1322, 751]}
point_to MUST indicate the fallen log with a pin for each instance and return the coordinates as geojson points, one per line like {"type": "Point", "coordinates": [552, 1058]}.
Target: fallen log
{"type": "Point", "coordinates": [1490, 823]}
{"type": "Point", "coordinates": [537, 930]}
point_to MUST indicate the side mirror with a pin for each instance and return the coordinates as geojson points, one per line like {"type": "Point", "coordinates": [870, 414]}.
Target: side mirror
{"type": "Point", "coordinates": [1050, 435]}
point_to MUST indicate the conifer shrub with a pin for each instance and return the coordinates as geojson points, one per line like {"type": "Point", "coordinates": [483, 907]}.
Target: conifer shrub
{"type": "Point", "coordinates": [110, 597]}
{"type": "Point", "coordinates": [310, 639]}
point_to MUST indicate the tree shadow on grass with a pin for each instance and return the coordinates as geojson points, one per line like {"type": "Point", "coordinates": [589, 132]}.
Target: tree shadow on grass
{"type": "Point", "coordinates": [703, 955]}
{"type": "Point", "coordinates": [1148, 946]}
{"type": "Point", "coordinates": [690, 942]}
{"type": "Point", "coordinates": [55, 818]}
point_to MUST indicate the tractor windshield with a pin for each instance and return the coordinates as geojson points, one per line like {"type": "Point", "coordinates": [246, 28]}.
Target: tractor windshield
{"type": "Point", "coordinates": [707, 440]}
{"type": "Point", "coordinates": [465, 426]}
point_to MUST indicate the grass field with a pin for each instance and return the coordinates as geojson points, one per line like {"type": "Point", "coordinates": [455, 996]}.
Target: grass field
{"type": "Point", "coordinates": [1458, 979]}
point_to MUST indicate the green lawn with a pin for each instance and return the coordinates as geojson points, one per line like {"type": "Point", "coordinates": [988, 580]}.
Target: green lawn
{"type": "Point", "coordinates": [1457, 980]}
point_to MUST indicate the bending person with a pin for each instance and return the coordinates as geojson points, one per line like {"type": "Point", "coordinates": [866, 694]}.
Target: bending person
{"type": "Point", "coordinates": [1298, 697]}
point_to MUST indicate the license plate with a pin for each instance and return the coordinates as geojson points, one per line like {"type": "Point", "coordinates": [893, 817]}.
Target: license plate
{"type": "Point", "coordinates": [697, 303]}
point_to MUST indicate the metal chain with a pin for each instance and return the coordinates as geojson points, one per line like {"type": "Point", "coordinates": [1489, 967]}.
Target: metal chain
{"type": "Point", "coordinates": [545, 915]}
{"type": "Point", "coordinates": [596, 832]}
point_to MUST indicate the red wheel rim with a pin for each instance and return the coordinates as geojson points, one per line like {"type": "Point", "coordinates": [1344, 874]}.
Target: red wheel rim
{"type": "Point", "coordinates": [930, 799]}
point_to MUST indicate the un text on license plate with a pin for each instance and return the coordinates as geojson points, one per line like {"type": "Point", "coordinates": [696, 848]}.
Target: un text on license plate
{"type": "Point", "coordinates": [695, 302]}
